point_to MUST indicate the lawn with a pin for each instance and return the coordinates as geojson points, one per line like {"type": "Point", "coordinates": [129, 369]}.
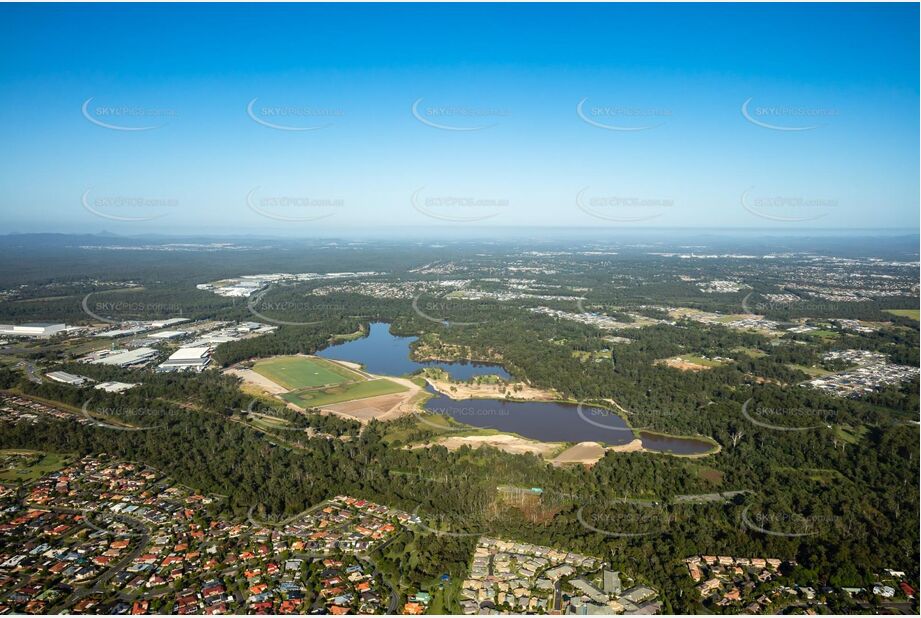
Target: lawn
{"type": "Point", "coordinates": [813, 372]}
{"type": "Point", "coordinates": [358, 334]}
{"type": "Point", "coordinates": [595, 356]}
{"type": "Point", "coordinates": [296, 372]}
{"type": "Point", "coordinates": [817, 475]}
{"type": "Point", "coordinates": [436, 423]}
{"type": "Point", "coordinates": [750, 352]}
{"type": "Point", "coordinates": [824, 334]}
{"type": "Point", "coordinates": [23, 465]}
{"type": "Point", "coordinates": [699, 360]}
{"type": "Point", "coordinates": [733, 317]}
{"type": "Point", "coordinates": [268, 423]}
{"type": "Point", "coordinates": [445, 598]}
{"type": "Point", "coordinates": [849, 434]}
{"type": "Point", "coordinates": [342, 392]}
{"type": "Point", "coordinates": [905, 313]}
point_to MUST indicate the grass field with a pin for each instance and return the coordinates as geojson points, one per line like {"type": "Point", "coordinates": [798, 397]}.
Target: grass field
{"type": "Point", "coordinates": [700, 360]}
{"type": "Point", "coordinates": [814, 372]}
{"type": "Point", "coordinates": [905, 313]}
{"type": "Point", "coordinates": [690, 362]}
{"type": "Point", "coordinates": [596, 356]}
{"type": "Point", "coordinates": [297, 372]}
{"type": "Point", "coordinates": [438, 424]}
{"type": "Point", "coordinates": [342, 392]}
{"type": "Point", "coordinates": [824, 334]}
{"type": "Point", "coordinates": [22, 465]}
{"type": "Point", "coordinates": [750, 352]}
{"type": "Point", "coordinates": [267, 423]}
{"type": "Point", "coordinates": [817, 475]}
{"type": "Point", "coordinates": [733, 317]}
{"type": "Point", "coordinates": [851, 435]}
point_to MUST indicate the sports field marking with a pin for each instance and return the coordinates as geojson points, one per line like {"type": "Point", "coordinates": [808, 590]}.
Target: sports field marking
{"type": "Point", "coordinates": [297, 372]}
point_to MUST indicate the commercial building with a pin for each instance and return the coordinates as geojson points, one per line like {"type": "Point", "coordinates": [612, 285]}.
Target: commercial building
{"type": "Point", "coordinates": [122, 332]}
{"type": "Point", "coordinates": [33, 329]}
{"type": "Point", "coordinates": [168, 334]}
{"type": "Point", "coordinates": [187, 359]}
{"type": "Point", "coordinates": [122, 358]}
{"type": "Point", "coordinates": [114, 387]}
{"type": "Point", "coordinates": [169, 322]}
{"type": "Point", "coordinates": [135, 328]}
{"type": "Point", "coordinates": [66, 378]}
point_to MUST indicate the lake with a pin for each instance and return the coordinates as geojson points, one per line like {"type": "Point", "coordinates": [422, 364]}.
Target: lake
{"type": "Point", "coordinates": [384, 353]}
{"type": "Point", "coordinates": [557, 422]}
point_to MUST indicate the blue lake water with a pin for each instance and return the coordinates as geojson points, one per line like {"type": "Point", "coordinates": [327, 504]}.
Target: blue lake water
{"type": "Point", "coordinates": [556, 422]}
{"type": "Point", "coordinates": [386, 354]}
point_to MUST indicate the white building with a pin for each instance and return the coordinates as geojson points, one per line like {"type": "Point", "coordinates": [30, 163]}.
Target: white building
{"type": "Point", "coordinates": [122, 358]}
{"type": "Point", "coordinates": [169, 322]}
{"type": "Point", "coordinates": [66, 378]}
{"type": "Point", "coordinates": [34, 329]}
{"type": "Point", "coordinates": [114, 387]}
{"type": "Point", "coordinates": [187, 359]}
{"type": "Point", "coordinates": [168, 334]}
{"type": "Point", "coordinates": [122, 332]}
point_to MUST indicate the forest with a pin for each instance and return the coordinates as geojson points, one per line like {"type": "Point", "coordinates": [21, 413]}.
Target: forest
{"type": "Point", "coordinates": [840, 498]}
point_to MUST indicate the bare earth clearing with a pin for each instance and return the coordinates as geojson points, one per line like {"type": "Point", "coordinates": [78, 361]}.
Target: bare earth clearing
{"type": "Point", "coordinates": [381, 407]}
{"type": "Point", "coordinates": [462, 390]}
{"type": "Point", "coordinates": [503, 441]}
{"type": "Point", "coordinates": [251, 377]}
{"type": "Point", "coordinates": [586, 453]}
{"type": "Point", "coordinates": [682, 365]}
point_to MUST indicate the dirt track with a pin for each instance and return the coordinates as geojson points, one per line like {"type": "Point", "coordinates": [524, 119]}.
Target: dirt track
{"type": "Point", "coordinates": [251, 377]}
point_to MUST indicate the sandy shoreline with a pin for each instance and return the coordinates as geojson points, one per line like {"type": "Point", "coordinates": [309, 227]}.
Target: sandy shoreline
{"type": "Point", "coordinates": [504, 441]}
{"type": "Point", "coordinates": [585, 453]}
{"type": "Point", "coordinates": [463, 390]}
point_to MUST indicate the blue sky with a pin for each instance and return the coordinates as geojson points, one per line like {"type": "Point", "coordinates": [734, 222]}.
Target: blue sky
{"type": "Point", "coordinates": [829, 137]}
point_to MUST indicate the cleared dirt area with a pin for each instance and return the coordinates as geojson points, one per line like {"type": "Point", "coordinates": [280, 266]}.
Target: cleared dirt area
{"type": "Point", "coordinates": [380, 407]}
{"type": "Point", "coordinates": [364, 410]}
{"type": "Point", "coordinates": [633, 446]}
{"type": "Point", "coordinates": [462, 390]}
{"type": "Point", "coordinates": [350, 365]}
{"type": "Point", "coordinates": [681, 364]}
{"type": "Point", "coordinates": [251, 377]}
{"type": "Point", "coordinates": [505, 442]}
{"type": "Point", "coordinates": [582, 453]}
{"type": "Point", "coordinates": [588, 453]}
